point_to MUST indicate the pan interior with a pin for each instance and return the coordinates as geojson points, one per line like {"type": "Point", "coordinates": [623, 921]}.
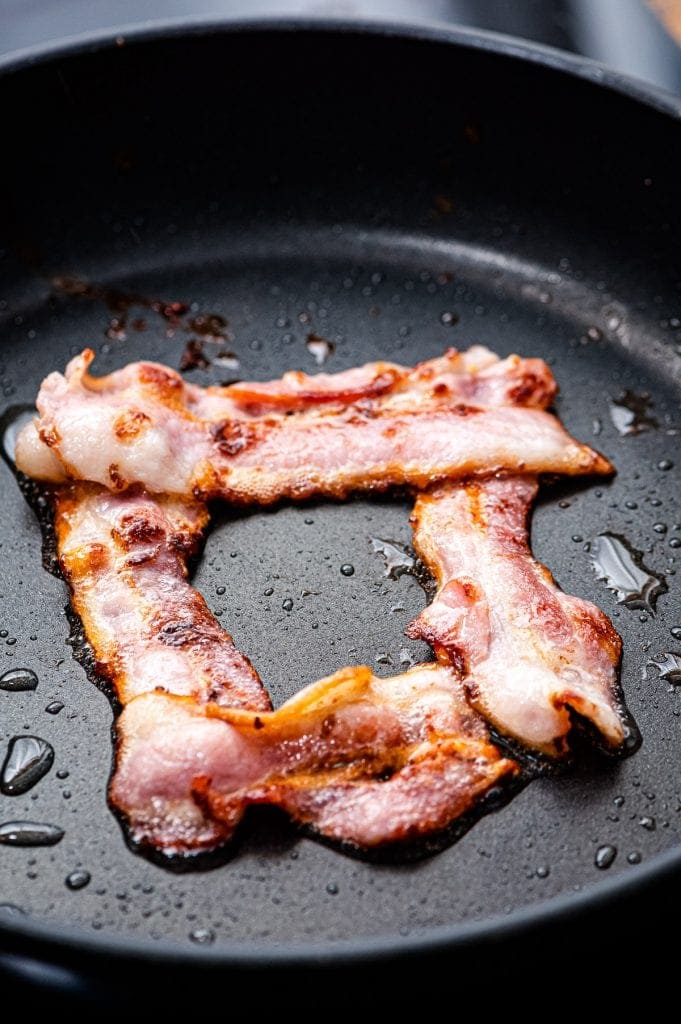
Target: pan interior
{"type": "Point", "coordinates": [439, 197]}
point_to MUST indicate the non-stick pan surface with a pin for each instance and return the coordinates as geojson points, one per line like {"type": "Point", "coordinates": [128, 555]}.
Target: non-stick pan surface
{"type": "Point", "coordinates": [393, 194]}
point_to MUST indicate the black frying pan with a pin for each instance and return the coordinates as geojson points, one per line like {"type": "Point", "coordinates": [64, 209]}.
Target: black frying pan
{"type": "Point", "coordinates": [393, 192]}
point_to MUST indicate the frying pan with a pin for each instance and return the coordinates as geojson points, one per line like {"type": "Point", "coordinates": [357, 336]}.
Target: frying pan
{"type": "Point", "coordinates": [394, 192]}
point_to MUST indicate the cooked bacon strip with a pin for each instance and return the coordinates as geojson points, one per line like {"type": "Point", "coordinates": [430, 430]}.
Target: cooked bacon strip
{"type": "Point", "coordinates": [138, 426]}
{"type": "Point", "coordinates": [185, 775]}
{"type": "Point", "coordinates": [125, 560]}
{"type": "Point", "coordinates": [360, 760]}
{"type": "Point", "coordinates": [529, 654]}
{"type": "Point", "coordinates": [476, 377]}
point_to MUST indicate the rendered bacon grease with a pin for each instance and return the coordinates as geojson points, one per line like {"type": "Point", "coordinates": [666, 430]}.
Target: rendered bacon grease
{"type": "Point", "coordinates": [365, 762]}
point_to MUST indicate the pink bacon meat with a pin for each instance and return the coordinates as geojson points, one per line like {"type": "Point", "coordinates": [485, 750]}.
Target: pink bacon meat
{"type": "Point", "coordinates": [530, 655]}
{"type": "Point", "coordinates": [359, 760]}
{"type": "Point", "coordinates": [125, 560]}
{"type": "Point", "coordinates": [364, 429]}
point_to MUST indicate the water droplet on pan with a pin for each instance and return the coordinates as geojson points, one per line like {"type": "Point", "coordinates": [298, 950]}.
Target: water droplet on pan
{"type": "Point", "coordinates": [18, 679]}
{"type": "Point", "coordinates": [347, 569]}
{"type": "Point", "coordinates": [30, 833]}
{"type": "Point", "coordinates": [78, 879]}
{"type": "Point", "coordinates": [605, 856]}
{"type": "Point", "coordinates": [669, 666]}
{"type": "Point", "coordinates": [54, 707]}
{"type": "Point", "coordinates": [202, 936]}
{"type": "Point", "coordinates": [398, 558]}
{"type": "Point", "coordinates": [622, 569]}
{"type": "Point", "coordinates": [28, 759]}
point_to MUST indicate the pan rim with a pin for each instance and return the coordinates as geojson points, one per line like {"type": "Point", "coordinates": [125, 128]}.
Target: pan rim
{"type": "Point", "coordinates": [57, 940]}
{"type": "Point", "coordinates": [498, 43]}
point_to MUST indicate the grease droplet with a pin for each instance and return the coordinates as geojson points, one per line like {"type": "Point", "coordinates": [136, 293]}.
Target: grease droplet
{"type": "Point", "coordinates": [622, 569]}
{"type": "Point", "coordinates": [18, 679]}
{"type": "Point", "coordinates": [669, 666]}
{"type": "Point", "coordinates": [347, 569]}
{"type": "Point", "coordinates": [54, 707]}
{"type": "Point", "coordinates": [78, 879]}
{"type": "Point", "coordinates": [30, 833]}
{"type": "Point", "coordinates": [398, 558]}
{"type": "Point", "coordinates": [28, 759]}
{"type": "Point", "coordinates": [605, 856]}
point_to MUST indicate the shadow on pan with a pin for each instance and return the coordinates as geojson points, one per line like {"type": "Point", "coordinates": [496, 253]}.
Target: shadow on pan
{"type": "Point", "coordinates": [392, 194]}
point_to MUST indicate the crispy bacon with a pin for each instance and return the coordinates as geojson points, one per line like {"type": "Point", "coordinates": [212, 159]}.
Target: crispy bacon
{"type": "Point", "coordinates": [455, 416]}
{"type": "Point", "coordinates": [530, 655]}
{"type": "Point", "coordinates": [125, 560]}
{"type": "Point", "coordinates": [360, 760]}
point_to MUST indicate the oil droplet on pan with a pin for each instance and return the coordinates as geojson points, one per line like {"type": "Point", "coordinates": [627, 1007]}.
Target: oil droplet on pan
{"type": "Point", "coordinates": [78, 879]}
{"type": "Point", "coordinates": [605, 856]}
{"type": "Point", "coordinates": [669, 666]}
{"type": "Point", "coordinates": [30, 833]}
{"type": "Point", "coordinates": [18, 679]}
{"type": "Point", "coordinates": [622, 569]}
{"type": "Point", "coordinates": [28, 759]}
{"type": "Point", "coordinates": [398, 557]}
